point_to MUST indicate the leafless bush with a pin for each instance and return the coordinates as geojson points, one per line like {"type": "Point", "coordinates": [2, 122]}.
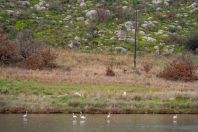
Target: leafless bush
{"type": "Point", "coordinates": [147, 67]}
{"type": "Point", "coordinates": [32, 53]}
{"type": "Point", "coordinates": [170, 15]}
{"type": "Point", "coordinates": [176, 39]}
{"type": "Point", "coordinates": [56, 5]}
{"type": "Point", "coordinates": [109, 71]}
{"type": "Point", "coordinates": [161, 16]}
{"type": "Point", "coordinates": [102, 14]}
{"type": "Point", "coordinates": [42, 58]}
{"type": "Point", "coordinates": [123, 14]}
{"type": "Point", "coordinates": [27, 44]}
{"type": "Point", "coordinates": [180, 69]}
{"type": "Point", "coordinates": [8, 49]}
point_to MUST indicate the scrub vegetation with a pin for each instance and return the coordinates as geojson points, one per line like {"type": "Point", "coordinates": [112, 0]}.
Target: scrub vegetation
{"type": "Point", "coordinates": [77, 55]}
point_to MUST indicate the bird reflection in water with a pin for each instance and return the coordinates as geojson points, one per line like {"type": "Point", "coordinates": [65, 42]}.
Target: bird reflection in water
{"type": "Point", "coordinates": [175, 122]}
{"type": "Point", "coordinates": [82, 122]}
{"type": "Point", "coordinates": [25, 120]}
{"type": "Point", "coordinates": [108, 121]}
{"type": "Point", "coordinates": [74, 122]}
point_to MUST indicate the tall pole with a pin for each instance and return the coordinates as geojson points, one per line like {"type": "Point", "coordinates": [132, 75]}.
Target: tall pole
{"type": "Point", "coordinates": [135, 44]}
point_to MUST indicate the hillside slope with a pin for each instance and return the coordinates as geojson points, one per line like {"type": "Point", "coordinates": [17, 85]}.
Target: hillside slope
{"type": "Point", "coordinates": [107, 25]}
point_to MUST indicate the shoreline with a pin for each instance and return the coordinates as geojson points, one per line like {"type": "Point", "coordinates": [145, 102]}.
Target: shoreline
{"type": "Point", "coordinates": [95, 111]}
{"type": "Point", "coordinates": [17, 96]}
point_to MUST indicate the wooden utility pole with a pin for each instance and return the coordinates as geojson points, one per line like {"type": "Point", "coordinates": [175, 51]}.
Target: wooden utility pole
{"type": "Point", "coordinates": [136, 31]}
{"type": "Point", "coordinates": [135, 43]}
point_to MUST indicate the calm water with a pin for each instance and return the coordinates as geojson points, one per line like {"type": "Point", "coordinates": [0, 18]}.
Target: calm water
{"type": "Point", "coordinates": [98, 123]}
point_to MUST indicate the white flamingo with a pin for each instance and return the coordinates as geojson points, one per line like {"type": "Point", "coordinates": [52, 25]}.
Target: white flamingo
{"type": "Point", "coordinates": [24, 116]}
{"type": "Point", "coordinates": [175, 116]}
{"type": "Point", "coordinates": [74, 116]}
{"type": "Point", "coordinates": [82, 117]}
{"type": "Point", "coordinates": [109, 115]}
{"type": "Point", "coordinates": [124, 94]}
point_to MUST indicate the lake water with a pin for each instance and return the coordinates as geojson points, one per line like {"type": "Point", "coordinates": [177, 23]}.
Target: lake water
{"type": "Point", "coordinates": [98, 123]}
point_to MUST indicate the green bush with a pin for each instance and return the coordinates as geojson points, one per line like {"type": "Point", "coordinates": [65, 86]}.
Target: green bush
{"type": "Point", "coordinates": [181, 99]}
{"type": "Point", "coordinates": [137, 98]}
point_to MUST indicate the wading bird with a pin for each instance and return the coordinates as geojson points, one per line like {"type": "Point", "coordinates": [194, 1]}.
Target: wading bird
{"type": "Point", "coordinates": [175, 116]}
{"type": "Point", "coordinates": [24, 116]}
{"type": "Point", "coordinates": [82, 117]}
{"type": "Point", "coordinates": [74, 116]}
{"type": "Point", "coordinates": [109, 115]}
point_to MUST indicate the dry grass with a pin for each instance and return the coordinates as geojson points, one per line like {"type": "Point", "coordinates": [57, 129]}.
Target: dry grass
{"type": "Point", "coordinates": [77, 67]}
{"type": "Point", "coordinates": [86, 73]}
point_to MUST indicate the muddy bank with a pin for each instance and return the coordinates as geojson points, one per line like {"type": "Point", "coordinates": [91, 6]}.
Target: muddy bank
{"type": "Point", "coordinates": [19, 110]}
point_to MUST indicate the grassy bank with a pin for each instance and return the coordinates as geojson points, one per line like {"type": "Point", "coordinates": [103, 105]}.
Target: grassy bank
{"type": "Point", "coordinates": [51, 97]}
{"type": "Point", "coordinates": [79, 83]}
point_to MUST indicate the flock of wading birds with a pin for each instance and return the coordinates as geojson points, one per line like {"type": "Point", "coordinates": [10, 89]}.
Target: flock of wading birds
{"type": "Point", "coordinates": [83, 118]}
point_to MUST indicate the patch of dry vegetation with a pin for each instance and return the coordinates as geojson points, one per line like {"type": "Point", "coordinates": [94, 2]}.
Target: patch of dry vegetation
{"type": "Point", "coordinates": [147, 67]}
{"type": "Point", "coordinates": [109, 71]}
{"type": "Point", "coordinates": [25, 52]}
{"type": "Point", "coordinates": [40, 59]}
{"type": "Point", "coordinates": [180, 69]}
{"type": "Point", "coordinates": [74, 67]}
{"type": "Point", "coordinates": [8, 49]}
{"type": "Point", "coordinates": [86, 73]}
{"type": "Point", "coordinates": [78, 67]}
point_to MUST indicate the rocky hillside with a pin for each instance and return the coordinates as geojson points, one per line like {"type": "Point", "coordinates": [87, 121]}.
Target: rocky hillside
{"type": "Point", "coordinates": [103, 24]}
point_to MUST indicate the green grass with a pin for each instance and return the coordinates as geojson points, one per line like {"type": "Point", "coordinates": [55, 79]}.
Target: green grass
{"type": "Point", "coordinates": [36, 95]}
{"type": "Point", "coordinates": [58, 34]}
{"type": "Point", "coordinates": [95, 95]}
{"type": "Point", "coordinates": [9, 86]}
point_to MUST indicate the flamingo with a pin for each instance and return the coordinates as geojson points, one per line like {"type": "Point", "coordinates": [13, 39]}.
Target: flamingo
{"type": "Point", "coordinates": [175, 116]}
{"type": "Point", "coordinates": [109, 115]}
{"type": "Point", "coordinates": [24, 116]}
{"type": "Point", "coordinates": [82, 117]}
{"type": "Point", "coordinates": [124, 94]}
{"type": "Point", "coordinates": [74, 116]}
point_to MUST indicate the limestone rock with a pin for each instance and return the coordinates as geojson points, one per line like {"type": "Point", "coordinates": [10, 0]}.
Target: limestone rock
{"type": "Point", "coordinates": [121, 49]}
{"type": "Point", "coordinates": [92, 14]}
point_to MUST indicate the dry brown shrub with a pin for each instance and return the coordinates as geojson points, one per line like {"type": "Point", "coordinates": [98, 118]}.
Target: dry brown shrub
{"type": "Point", "coordinates": [180, 69]}
{"type": "Point", "coordinates": [32, 53]}
{"type": "Point", "coordinates": [123, 14]}
{"type": "Point", "coordinates": [8, 50]}
{"type": "Point", "coordinates": [175, 38]}
{"type": "Point", "coordinates": [147, 67]}
{"type": "Point", "coordinates": [159, 15]}
{"type": "Point", "coordinates": [169, 15]}
{"type": "Point", "coordinates": [42, 58]}
{"type": "Point", "coordinates": [102, 14]}
{"type": "Point", "coordinates": [109, 71]}
{"type": "Point", "coordinates": [27, 44]}
{"type": "Point", "coordinates": [34, 61]}
{"type": "Point", "coordinates": [48, 56]}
